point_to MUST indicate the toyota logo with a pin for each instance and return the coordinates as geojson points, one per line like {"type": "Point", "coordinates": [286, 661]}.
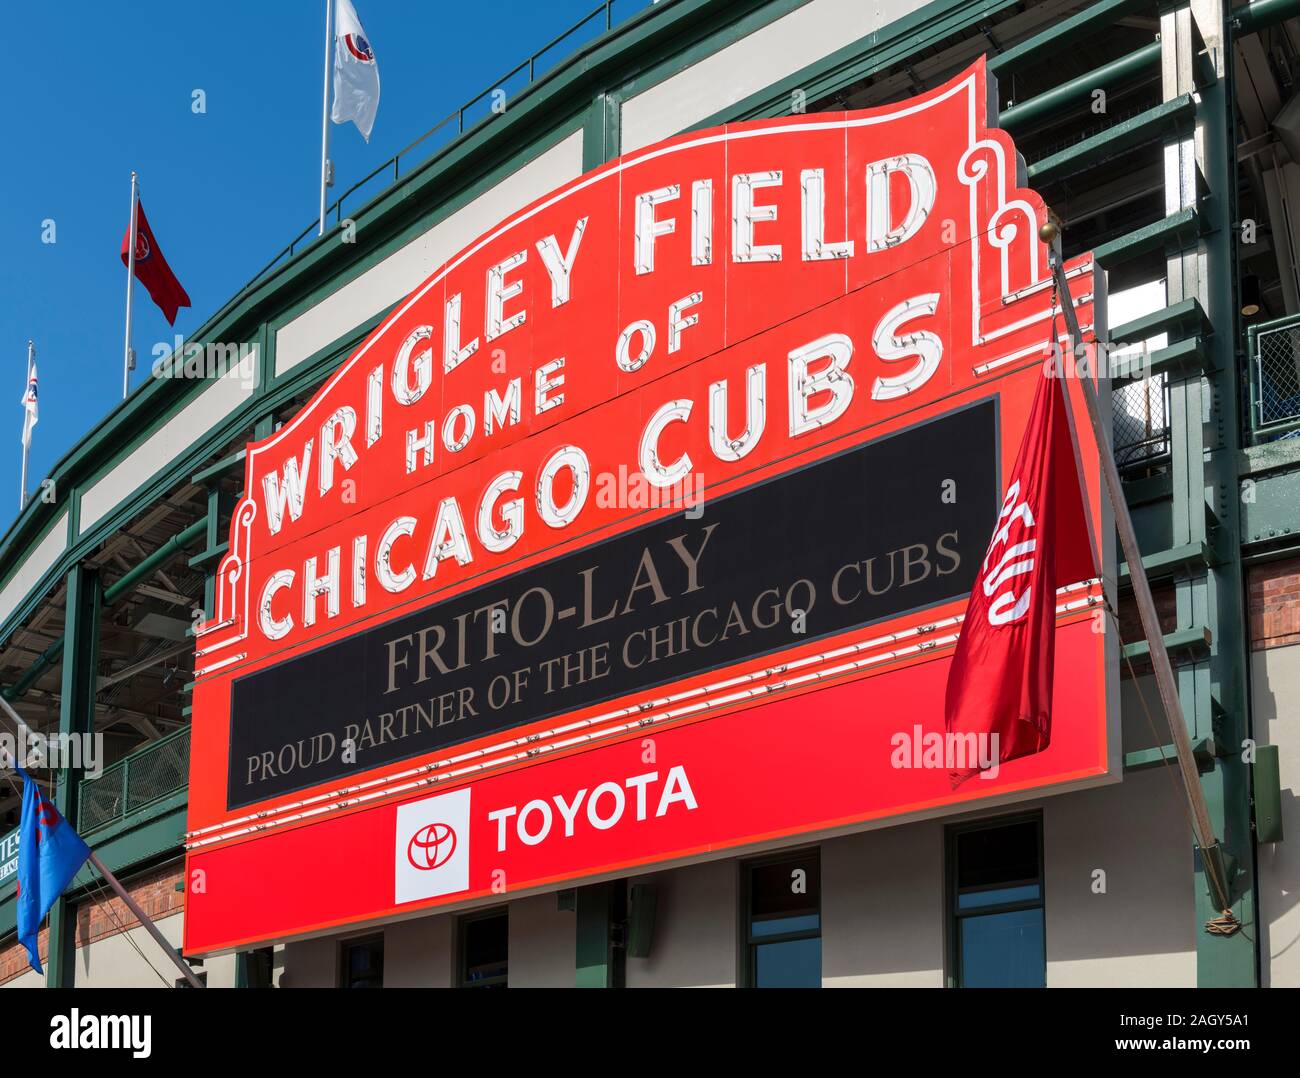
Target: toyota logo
{"type": "Point", "coordinates": [431, 846]}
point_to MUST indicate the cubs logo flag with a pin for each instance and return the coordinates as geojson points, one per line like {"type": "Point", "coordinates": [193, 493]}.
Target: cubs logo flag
{"type": "Point", "coordinates": [151, 268]}
{"type": "Point", "coordinates": [30, 414]}
{"type": "Point", "coordinates": [356, 75]}
{"type": "Point", "coordinates": [1000, 681]}
{"type": "Point", "coordinates": [50, 853]}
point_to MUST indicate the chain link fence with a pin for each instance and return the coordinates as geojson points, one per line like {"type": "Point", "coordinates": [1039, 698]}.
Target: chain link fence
{"type": "Point", "coordinates": [135, 781]}
{"type": "Point", "coordinates": [1140, 420]}
{"type": "Point", "coordinates": [1275, 381]}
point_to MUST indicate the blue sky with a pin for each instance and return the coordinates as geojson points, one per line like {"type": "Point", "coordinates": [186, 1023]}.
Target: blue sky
{"type": "Point", "coordinates": [106, 88]}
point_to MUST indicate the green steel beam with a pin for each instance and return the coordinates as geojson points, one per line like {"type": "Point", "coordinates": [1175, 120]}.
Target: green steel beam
{"type": "Point", "coordinates": [1185, 646]}
{"type": "Point", "coordinates": [1179, 319]}
{"type": "Point", "coordinates": [1271, 508]}
{"type": "Point", "coordinates": [594, 938]}
{"type": "Point", "coordinates": [1066, 34]}
{"type": "Point", "coordinates": [1182, 359]}
{"type": "Point", "coordinates": [1165, 120]}
{"type": "Point", "coordinates": [40, 664]}
{"type": "Point", "coordinates": [1179, 230]}
{"type": "Point", "coordinates": [1188, 558]}
{"type": "Point", "coordinates": [1262, 14]}
{"type": "Point", "coordinates": [1204, 468]}
{"type": "Point", "coordinates": [1203, 751]}
{"type": "Point", "coordinates": [76, 716]}
{"type": "Point", "coordinates": [1068, 94]}
{"type": "Point", "coordinates": [158, 558]}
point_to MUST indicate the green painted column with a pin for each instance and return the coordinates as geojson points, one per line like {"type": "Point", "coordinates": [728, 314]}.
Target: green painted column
{"type": "Point", "coordinates": [1204, 465]}
{"type": "Point", "coordinates": [594, 958]}
{"type": "Point", "coordinates": [1225, 961]}
{"type": "Point", "coordinates": [601, 910]}
{"type": "Point", "coordinates": [76, 716]}
{"type": "Point", "coordinates": [600, 131]}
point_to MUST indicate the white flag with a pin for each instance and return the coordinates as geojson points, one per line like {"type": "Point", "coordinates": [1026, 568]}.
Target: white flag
{"type": "Point", "coordinates": [356, 75]}
{"type": "Point", "coordinates": [29, 406]}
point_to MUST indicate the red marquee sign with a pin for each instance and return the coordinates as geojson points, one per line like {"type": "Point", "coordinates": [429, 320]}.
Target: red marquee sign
{"type": "Point", "coordinates": [642, 530]}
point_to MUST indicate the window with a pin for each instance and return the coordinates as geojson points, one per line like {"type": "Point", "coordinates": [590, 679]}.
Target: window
{"type": "Point", "coordinates": [995, 873]}
{"type": "Point", "coordinates": [363, 963]}
{"type": "Point", "coordinates": [485, 950]}
{"type": "Point", "coordinates": [783, 925]}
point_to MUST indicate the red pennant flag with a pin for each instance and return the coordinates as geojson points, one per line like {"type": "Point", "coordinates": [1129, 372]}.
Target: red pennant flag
{"type": "Point", "coordinates": [1000, 681]}
{"type": "Point", "coordinates": [151, 268]}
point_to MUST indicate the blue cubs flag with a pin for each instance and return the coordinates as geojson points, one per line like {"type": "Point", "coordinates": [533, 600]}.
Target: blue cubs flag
{"type": "Point", "coordinates": [49, 854]}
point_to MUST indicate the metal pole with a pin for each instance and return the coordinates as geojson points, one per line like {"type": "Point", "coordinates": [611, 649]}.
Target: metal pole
{"type": "Point", "coordinates": [145, 920]}
{"type": "Point", "coordinates": [27, 434]}
{"type": "Point", "coordinates": [325, 113]}
{"type": "Point", "coordinates": [130, 286]}
{"type": "Point", "coordinates": [1161, 666]}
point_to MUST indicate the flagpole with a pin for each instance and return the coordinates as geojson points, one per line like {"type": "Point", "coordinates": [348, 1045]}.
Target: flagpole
{"type": "Point", "coordinates": [147, 921]}
{"type": "Point", "coordinates": [25, 732]}
{"type": "Point", "coordinates": [1202, 827]}
{"type": "Point", "coordinates": [130, 286]}
{"type": "Point", "coordinates": [27, 433]}
{"type": "Point", "coordinates": [325, 114]}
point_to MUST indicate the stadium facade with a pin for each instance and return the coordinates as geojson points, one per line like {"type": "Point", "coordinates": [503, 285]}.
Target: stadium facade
{"type": "Point", "coordinates": [670, 831]}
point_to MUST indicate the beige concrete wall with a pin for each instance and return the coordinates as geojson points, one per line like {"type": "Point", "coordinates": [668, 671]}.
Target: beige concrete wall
{"type": "Point", "coordinates": [420, 953]}
{"type": "Point", "coordinates": [1142, 931]}
{"type": "Point", "coordinates": [401, 272]}
{"type": "Point", "coordinates": [883, 908]}
{"type": "Point", "coordinates": [756, 61]}
{"type": "Point", "coordinates": [312, 963]}
{"type": "Point", "coordinates": [133, 960]}
{"type": "Point", "coordinates": [543, 943]}
{"type": "Point", "coordinates": [1275, 698]}
{"type": "Point", "coordinates": [695, 942]}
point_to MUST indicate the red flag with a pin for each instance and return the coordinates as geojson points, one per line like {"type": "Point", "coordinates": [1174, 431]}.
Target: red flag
{"type": "Point", "coordinates": [151, 268]}
{"type": "Point", "coordinates": [1000, 682]}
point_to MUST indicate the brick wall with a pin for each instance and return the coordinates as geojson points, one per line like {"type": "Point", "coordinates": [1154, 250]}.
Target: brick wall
{"type": "Point", "coordinates": [1273, 595]}
{"type": "Point", "coordinates": [1130, 625]}
{"type": "Point", "coordinates": [106, 915]}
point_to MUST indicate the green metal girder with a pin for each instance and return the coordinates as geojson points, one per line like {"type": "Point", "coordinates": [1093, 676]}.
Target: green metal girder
{"type": "Point", "coordinates": [1183, 359]}
{"type": "Point", "coordinates": [1177, 231]}
{"type": "Point", "coordinates": [1251, 18]}
{"type": "Point", "coordinates": [1187, 558]}
{"type": "Point", "coordinates": [1185, 646]}
{"type": "Point", "coordinates": [1203, 751]}
{"type": "Point", "coordinates": [1069, 94]}
{"type": "Point", "coordinates": [158, 558]}
{"type": "Point", "coordinates": [1271, 511]}
{"type": "Point", "coordinates": [1065, 34]}
{"type": "Point", "coordinates": [1166, 120]}
{"type": "Point", "coordinates": [1185, 318]}
{"type": "Point", "coordinates": [594, 959]}
{"type": "Point", "coordinates": [76, 716]}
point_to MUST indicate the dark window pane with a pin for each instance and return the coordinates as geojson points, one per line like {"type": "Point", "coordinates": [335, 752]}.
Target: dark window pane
{"type": "Point", "coordinates": [486, 948]}
{"type": "Point", "coordinates": [783, 926]}
{"type": "Point", "coordinates": [1003, 950]}
{"type": "Point", "coordinates": [997, 855]}
{"type": "Point", "coordinates": [363, 964]}
{"type": "Point", "coordinates": [773, 893]}
{"type": "Point", "coordinates": [998, 896]}
{"type": "Point", "coordinates": [792, 964]}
